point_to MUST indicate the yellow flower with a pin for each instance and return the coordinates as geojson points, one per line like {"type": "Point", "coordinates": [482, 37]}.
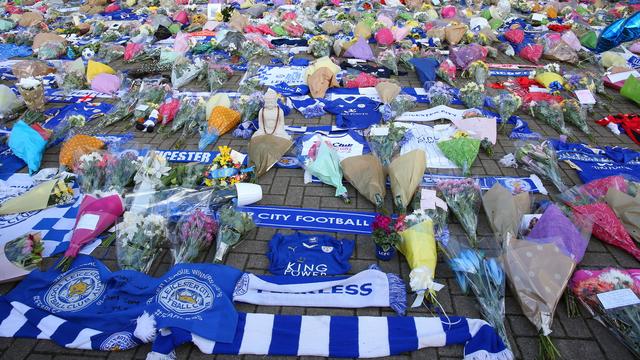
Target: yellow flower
{"type": "Point", "coordinates": [218, 17]}
{"type": "Point", "coordinates": [460, 134]}
{"type": "Point", "coordinates": [208, 182]}
{"type": "Point", "coordinates": [412, 23]}
{"type": "Point", "coordinates": [224, 150]}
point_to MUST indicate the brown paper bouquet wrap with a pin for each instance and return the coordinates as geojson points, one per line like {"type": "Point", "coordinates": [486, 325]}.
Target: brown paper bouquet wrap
{"type": "Point", "coordinates": [388, 91]}
{"type": "Point", "coordinates": [223, 119]}
{"type": "Point", "coordinates": [454, 33]}
{"type": "Point", "coordinates": [366, 175]}
{"type": "Point", "coordinates": [321, 80]}
{"type": "Point", "coordinates": [627, 208]}
{"type": "Point", "coordinates": [266, 150]}
{"type": "Point", "coordinates": [49, 193]}
{"type": "Point", "coordinates": [505, 210]}
{"type": "Point", "coordinates": [32, 92]}
{"type": "Point", "coordinates": [405, 173]}
{"type": "Point", "coordinates": [538, 274]}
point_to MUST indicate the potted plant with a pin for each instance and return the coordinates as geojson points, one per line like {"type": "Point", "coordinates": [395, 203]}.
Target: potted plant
{"type": "Point", "coordinates": [385, 236]}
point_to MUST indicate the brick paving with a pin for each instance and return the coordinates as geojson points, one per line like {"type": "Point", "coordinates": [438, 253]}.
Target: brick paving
{"type": "Point", "coordinates": [576, 338]}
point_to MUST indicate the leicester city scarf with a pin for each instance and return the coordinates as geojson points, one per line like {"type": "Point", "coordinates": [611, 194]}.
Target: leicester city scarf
{"type": "Point", "coordinates": [89, 307]}
{"type": "Point", "coordinates": [368, 288]}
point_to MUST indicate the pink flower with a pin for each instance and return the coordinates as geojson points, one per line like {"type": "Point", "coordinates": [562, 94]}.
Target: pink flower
{"type": "Point", "coordinates": [27, 250]}
{"type": "Point", "coordinates": [400, 224]}
{"type": "Point", "coordinates": [382, 222]}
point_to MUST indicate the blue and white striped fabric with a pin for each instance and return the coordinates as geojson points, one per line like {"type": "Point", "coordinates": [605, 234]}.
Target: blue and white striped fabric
{"type": "Point", "coordinates": [89, 307]}
{"type": "Point", "coordinates": [343, 337]}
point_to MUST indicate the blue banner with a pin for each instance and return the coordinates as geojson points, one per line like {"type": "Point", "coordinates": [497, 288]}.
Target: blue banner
{"type": "Point", "coordinates": [187, 156]}
{"type": "Point", "coordinates": [311, 219]}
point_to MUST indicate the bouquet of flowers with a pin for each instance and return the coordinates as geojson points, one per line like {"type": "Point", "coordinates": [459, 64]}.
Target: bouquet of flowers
{"type": "Point", "coordinates": [541, 159]}
{"type": "Point", "coordinates": [71, 121]}
{"type": "Point", "coordinates": [185, 70]}
{"type": "Point", "coordinates": [320, 46]}
{"type": "Point", "coordinates": [191, 236]}
{"type": "Point", "coordinates": [91, 171]}
{"type": "Point", "coordinates": [417, 243]}
{"type": "Point", "coordinates": [479, 71]}
{"type": "Point", "coordinates": [404, 58]}
{"type": "Point", "coordinates": [49, 193]}
{"type": "Point", "coordinates": [322, 161]}
{"type": "Point", "coordinates": [189, 120]}
{"type": "Point", "coordinates": [439, 94]}
{"type": "Point", "coordinates": [189, 106]}
{"type": "Point", "coordinates": [139, 238]}
{"type": "Point", "coordinates": [484, 275]}
{"type": "Point", "coordinates": [576, 114]}
{"type": "Point", "coordinates": [622, 321]}
{"type": "Point", "coordinates": [385, 140]}
{"type": "Point", "coordinates": [589, 204]}
{"type": "Point", "coordinates": [185, 175]}
{"type": "Point", "coordinates": [472, 95]}
{"type": "Point", "coordinates": [463, 197]}
{"type": "Point", "coordinates": [233, 226]}
{"type": "Point", "coordinates": [218, 75]}
{"type": "Point", "coordinates": [388, 59]}
{"type": "Point", "coordinates": [447, 72]}
{"type": "Point", "coordinates": [250, 106]}
{"type": "Point", "coordinates": [461, 149]}
{"type": "Point", "coordinates": [399, 105]}
{"type": "Point", "coordinates": [25, 251]}
{"type": "Point", "coordinates": [74, 75]}
{"type": "Point", "coordinates": [225, 170]}
{"type": "Point", "coordinates": [120, 169]}
{"type": "Point", "coordinates": [251, 50]}
{"type": "Point", "coordinates": [148, 179]}
{"type": "Point", "coordinates": [507, 103]}
{"type": "Point", "coordinates": [384, 233]}
{"type": "Point", "coordinates": [32, 91]}
{"type": "Point", "coordinates": [123, 109]}
{"type": "Point", "coordinates": [551, 113]}
{"type": "Point", "coordinates": [95, 215]}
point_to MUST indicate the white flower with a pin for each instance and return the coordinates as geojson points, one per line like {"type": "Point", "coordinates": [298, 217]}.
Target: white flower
{"type": "Point", "coordinates": [28, 83]}
{"type": "Point", "coordinates": [130, 223]}
{"type": "Point", "coordinates": [616, 277]}
{"type": "Point", "coordinates": [421, 279]}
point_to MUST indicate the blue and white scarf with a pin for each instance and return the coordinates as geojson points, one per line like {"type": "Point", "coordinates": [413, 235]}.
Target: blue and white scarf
{"type": "Point", "coordinates": [368, 288]}
{"type": "Point", "coordinates": [89, 307]}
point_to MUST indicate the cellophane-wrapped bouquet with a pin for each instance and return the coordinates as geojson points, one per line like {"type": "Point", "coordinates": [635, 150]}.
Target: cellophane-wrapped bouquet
{"type": "Point", "coordinates": [139, 240]}
{"type": "Point", "coordinates": [388, 59]}
{"type": "Point", "coordinates": [233, 226]}
{"type": "Point", "coordinates": [439, 94]}
{"type": "Point", "coordinates": [506, 103]}
{"type": "Point", "coordinates": [385, 141]}
{"type": "Point", "coordinates": [551, 113]}
{"type": "Point", "coordinates": [622, 321]}
{"type": "Point", "coordinates": [472, 95]}
{"type": "Point", "coordinates": [463, 197]}
{"type": "Point", "coordinates": [320, 46]}
{"type": "Point", "coordinates": [191, 236]}
{"type": "Point", "coordinates": [541, 159]}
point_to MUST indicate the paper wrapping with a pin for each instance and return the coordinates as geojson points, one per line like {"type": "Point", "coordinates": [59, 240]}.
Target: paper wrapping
{"type": "Point", "coordinates": [77, 146]}
{"type": "Point", "coordinates": [266, 150]}
{"type": "Point", "coordinates": [454, 33]}
{"type": "Point", "coordinates": [223, 119]}
{"type": "Point", "coordinates": [627, 208]}
{"type": "Point", "coordinates": [504, 210]}
{"type": "Point", "coordinates": [33, 98]}
{"type": "Point", "coordinates": [320, 81]}
{"type": "Point", "coordinates": [405, 174]}
{"type": "Point", "coordinates": [388, 91]}
{"type": "Point", "coordinates": [366, 174]}
{"type": "Point", "coordinates": [538, 274]}
{"type": "Point", "coordinates": [34, 199]}
{"type": "Point", "coordinates": [418, 246]}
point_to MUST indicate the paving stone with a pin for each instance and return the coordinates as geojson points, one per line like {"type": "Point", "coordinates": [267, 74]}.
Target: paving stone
{"type": "Point", "coordinates": [614, 350]}
{"type": "Point", "coordinates": [579, 349]}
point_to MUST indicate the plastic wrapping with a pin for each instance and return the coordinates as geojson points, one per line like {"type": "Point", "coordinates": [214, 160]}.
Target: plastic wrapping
{"type": "Point", "coordinates": [233, 226]}
{"type": "Point", "coordinates": [541, 159]}
{"type": "Point", "coordinates": [622, 321]}
{"type": "Point", "coordinates": [464, 199]}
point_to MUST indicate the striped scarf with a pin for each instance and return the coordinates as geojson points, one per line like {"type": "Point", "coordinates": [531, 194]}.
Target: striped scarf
{"type": "Point", "coordinates": [268, 334]}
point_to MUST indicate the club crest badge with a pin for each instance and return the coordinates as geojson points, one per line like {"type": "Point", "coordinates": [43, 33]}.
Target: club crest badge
{"type": "Point", "coordinates": [186, 296]}
{"type": "Point", "coordinates": [75, 290]}
{"type": "Point", "coordinates": [119, 341]}
{"type": "Point", "coordinates": [242, 287]}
